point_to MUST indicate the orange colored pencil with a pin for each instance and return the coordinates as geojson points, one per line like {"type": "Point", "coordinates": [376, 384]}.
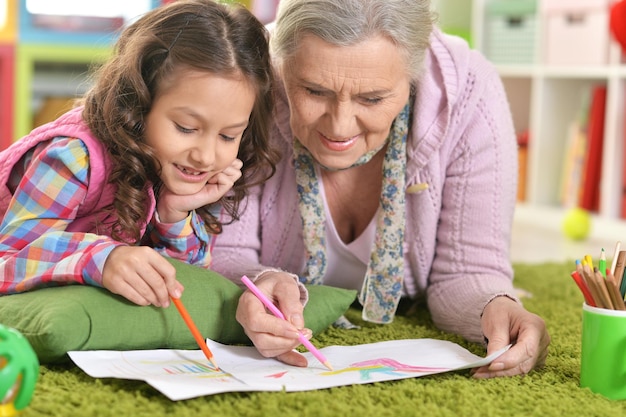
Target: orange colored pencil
{"type": "Point", "coordinates": [194, 330]}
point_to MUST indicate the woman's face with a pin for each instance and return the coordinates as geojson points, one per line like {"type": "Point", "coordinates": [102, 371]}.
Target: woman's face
{"type": "Point", "coordinates": [195, 126]}
{"type": "Point", "coordinates": [343, 99]}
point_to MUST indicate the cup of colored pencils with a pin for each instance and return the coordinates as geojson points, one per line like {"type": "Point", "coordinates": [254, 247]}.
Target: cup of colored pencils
{"type": "Point", "coordinates": [602, 286]}
{"type": "Point", "coordinates": [602, 367]}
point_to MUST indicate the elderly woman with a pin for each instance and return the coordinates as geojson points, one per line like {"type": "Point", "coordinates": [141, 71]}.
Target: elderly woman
{"type": "Point", "coordinates": [398, 179]}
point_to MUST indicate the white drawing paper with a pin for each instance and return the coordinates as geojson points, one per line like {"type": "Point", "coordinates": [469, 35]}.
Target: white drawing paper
{"type": "Point", "coordinates": [184, 374]}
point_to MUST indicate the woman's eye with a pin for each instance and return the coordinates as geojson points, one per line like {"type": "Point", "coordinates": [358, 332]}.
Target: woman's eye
{"type": "Point", "coordinates": [372, 100]}
{"type": "Point", "coordinates": [313, 92]}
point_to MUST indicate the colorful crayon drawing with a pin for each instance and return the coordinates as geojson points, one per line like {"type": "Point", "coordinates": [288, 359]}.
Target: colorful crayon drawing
{"type": "Point", "coordinates": [278, 375]}
{"type": "Point", "coordinates": [195, 368]}
{"type": "Point", "coordinates": [184, 374]}
{"type": "Point", "coordinates": [386, 366]}
{"type": "Point", "coordinates": [190, 368]}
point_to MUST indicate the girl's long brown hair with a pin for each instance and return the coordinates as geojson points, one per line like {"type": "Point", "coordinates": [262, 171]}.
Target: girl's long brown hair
{"type": "Point", "coordinates": [199, 34]}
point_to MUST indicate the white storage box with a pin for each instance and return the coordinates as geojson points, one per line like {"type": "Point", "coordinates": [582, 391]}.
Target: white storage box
{"type": "Point", "coordinates": [510, 31]}
{"type": "Point", "coordinates": [576, 32]}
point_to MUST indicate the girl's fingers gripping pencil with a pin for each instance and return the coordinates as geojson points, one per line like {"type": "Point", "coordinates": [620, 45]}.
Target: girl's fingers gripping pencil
{"type": "Point", "coordinates": [275, 311]}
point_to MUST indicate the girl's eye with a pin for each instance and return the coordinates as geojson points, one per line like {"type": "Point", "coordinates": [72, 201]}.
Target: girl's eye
{"type": "Point", "coordinates": [228, 138]}
{"type": "Point", "coordinates": [183, 129]}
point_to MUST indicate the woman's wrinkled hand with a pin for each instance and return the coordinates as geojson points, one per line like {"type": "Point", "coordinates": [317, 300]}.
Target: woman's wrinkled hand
{"type": "Point", "coordinates": [504, 322]}
{"type": "Point", "coordinates": [274, 337]}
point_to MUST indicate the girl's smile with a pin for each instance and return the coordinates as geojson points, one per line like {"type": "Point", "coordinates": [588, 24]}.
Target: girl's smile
{"type": "Point", "coordinates": [189, 174]}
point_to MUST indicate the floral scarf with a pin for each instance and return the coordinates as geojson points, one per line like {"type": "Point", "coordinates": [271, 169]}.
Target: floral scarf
{"type": "Point", "coordinates": [382, 286]}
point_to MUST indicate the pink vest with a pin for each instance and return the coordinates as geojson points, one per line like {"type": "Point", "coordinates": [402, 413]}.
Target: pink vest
{"type": "Point", "coordinates": [99, 193]}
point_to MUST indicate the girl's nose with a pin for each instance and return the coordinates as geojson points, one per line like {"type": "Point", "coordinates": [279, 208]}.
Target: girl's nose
{"type": "Point", "coordinates": [203, 153]}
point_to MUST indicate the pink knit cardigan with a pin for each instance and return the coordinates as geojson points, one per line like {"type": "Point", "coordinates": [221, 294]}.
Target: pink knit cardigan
{"type": "Point", "coordinates": [462, 146]}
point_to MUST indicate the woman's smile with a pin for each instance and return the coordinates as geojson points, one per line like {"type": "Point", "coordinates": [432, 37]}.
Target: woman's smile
{"type": "Point", "coordinates": [338, 145]}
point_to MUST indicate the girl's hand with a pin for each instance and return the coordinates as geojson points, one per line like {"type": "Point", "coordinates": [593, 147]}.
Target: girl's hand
{"type": "Point", "coordinates": [274, 337]}
{"type": "Point", "coordinates": [141, 275]}
{"type": "Point", "coordinates": [173, 208]}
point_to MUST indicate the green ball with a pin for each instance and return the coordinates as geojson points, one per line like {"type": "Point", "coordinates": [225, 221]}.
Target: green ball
{"type": "Point", "coordinates": [577, 224]}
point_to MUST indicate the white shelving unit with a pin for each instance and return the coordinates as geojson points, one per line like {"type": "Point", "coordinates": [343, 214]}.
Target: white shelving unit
{"type": "Point", "coordinates": [545, 99]}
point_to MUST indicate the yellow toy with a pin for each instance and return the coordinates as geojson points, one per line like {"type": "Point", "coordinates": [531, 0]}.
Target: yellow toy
{"type": "Point", "coordinates": [577, 224]}
{"type": "Point", "coordinates": [19, 369]}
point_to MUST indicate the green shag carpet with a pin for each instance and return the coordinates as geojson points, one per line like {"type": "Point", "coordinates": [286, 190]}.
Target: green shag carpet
{"type": "Point", "coordinates": [64, 391]}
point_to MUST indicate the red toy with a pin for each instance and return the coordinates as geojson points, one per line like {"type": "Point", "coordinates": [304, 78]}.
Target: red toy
{"type": "Point", "coordinates": [617, 23]}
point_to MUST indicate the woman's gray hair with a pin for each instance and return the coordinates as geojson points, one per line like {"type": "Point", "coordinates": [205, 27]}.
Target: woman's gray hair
{"type": "Point", "coordinates": [408, 23]}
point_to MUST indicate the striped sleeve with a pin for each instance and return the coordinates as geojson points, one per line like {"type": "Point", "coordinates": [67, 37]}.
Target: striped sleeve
{"type": "Point", "coordinates": [35, 248]}
{"type": "Point", "coordinates": [187, 240]}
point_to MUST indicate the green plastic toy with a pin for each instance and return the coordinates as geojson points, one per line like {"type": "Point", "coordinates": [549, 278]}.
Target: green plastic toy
{"type": "Point", "coordinates": [19, 370]}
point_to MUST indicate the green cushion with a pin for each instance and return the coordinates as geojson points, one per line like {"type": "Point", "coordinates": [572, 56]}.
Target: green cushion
{"type": "Point", "coordinates": [76, 317]}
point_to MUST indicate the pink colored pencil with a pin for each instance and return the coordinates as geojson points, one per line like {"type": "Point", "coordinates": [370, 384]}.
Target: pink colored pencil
{"type": "Point", "coordinates": [275, 311]}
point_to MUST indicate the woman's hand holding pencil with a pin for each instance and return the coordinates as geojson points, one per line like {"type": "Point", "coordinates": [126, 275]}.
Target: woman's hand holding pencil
{"type": "Point", "coordinates": [276, 312]}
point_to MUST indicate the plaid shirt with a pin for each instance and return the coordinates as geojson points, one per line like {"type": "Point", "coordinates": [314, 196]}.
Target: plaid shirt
{"type": "Point", "coordinates": [35, 248]}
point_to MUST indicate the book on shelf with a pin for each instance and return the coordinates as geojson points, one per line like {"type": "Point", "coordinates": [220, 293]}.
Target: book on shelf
{"type": "Point", "coordinates": [574, 155]}
{"type": "Point", "coordinates": [522, 164]}
{"type": "Point", "coordinates": [623, 190]}
{"type": "Point", "coordinates": [590, 198]}
{"type": "Point", "coordinates": [573, 165]}
{"type": "Point", "coordinates": [582, 165]}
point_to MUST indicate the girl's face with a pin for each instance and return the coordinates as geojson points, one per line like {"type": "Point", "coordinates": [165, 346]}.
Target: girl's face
{"type": "Point", "coordinates": [195, 126]}
{"type": "Point", "coordinates": [343, 99]}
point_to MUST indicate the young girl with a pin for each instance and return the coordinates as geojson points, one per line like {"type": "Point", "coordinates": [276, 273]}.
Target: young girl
{"type": "Point", "coordinates": [175, 120]}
